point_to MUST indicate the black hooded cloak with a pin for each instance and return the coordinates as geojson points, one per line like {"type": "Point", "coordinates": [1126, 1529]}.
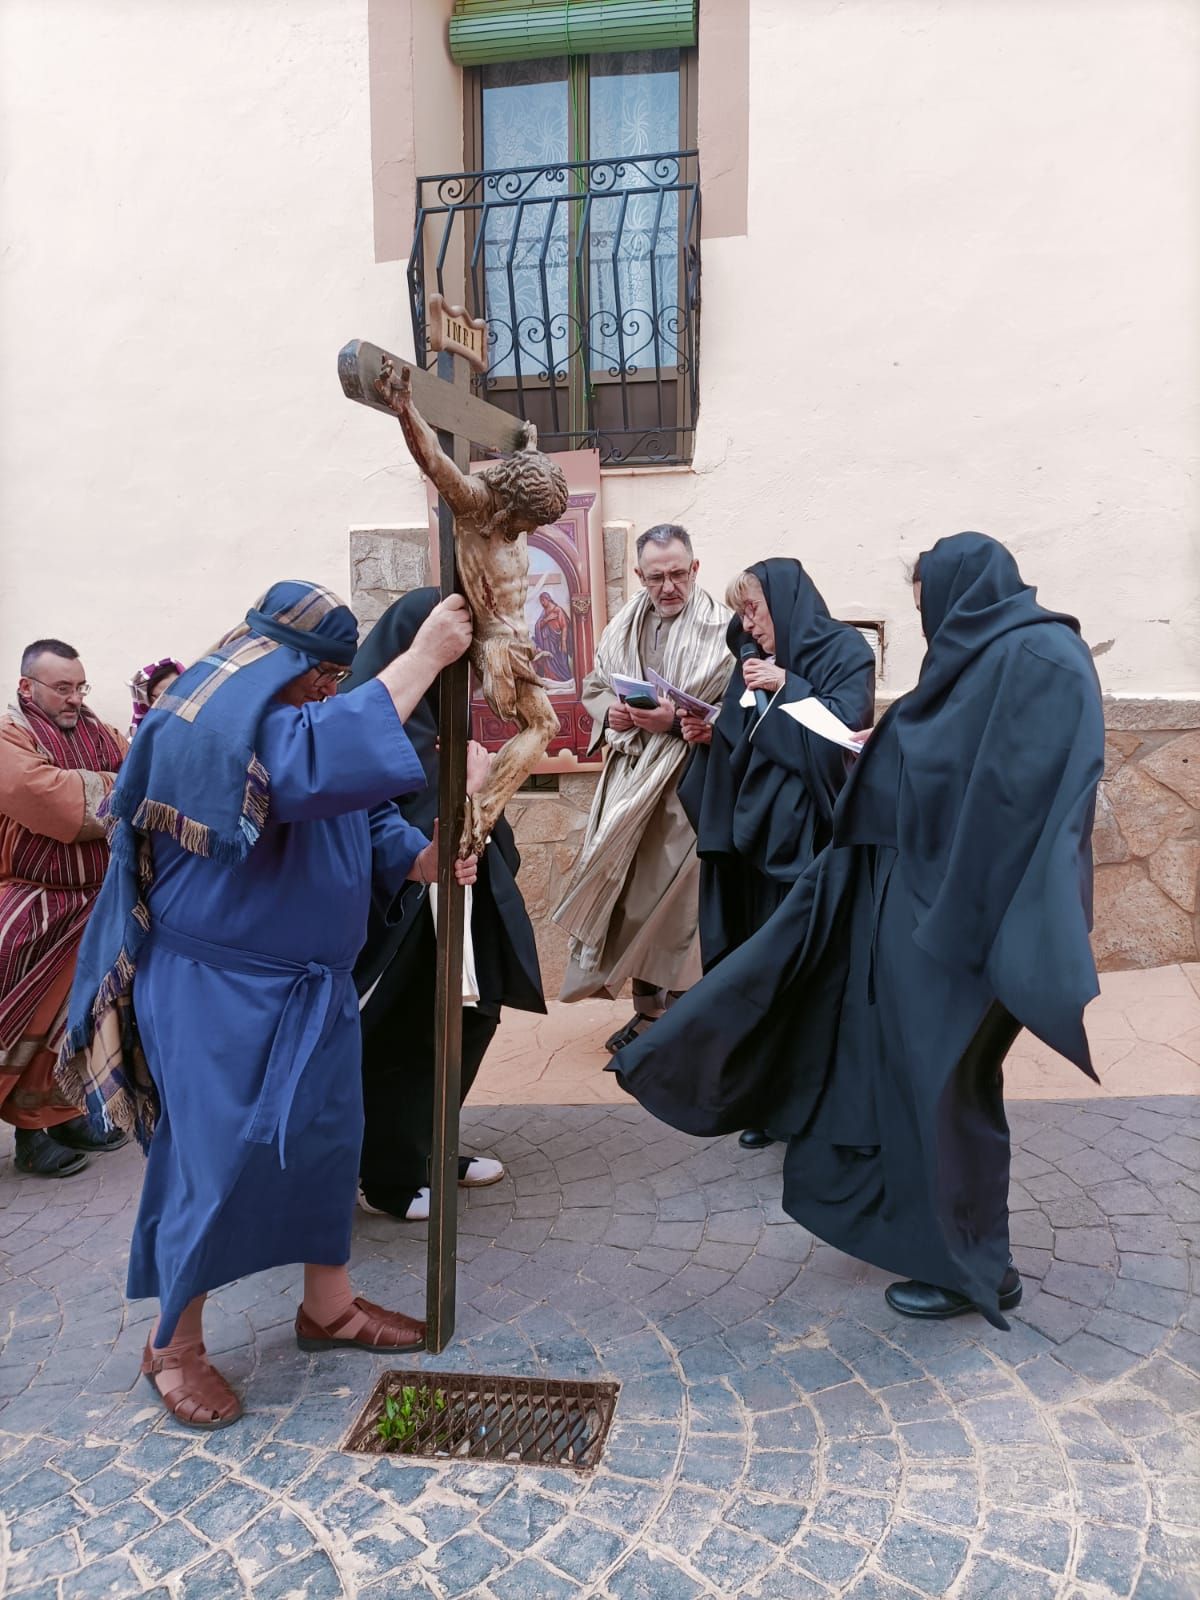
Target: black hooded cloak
{"type": "Point", "coordinates": [761, 795]}
{"type": "Point", "coordinates": [397, 964]}
{"type": "Point", "coordinates": [869, 1017]}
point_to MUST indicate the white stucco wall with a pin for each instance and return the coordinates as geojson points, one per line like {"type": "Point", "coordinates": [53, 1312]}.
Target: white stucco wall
{"type": "Point", "coordinates": [968, 298]}
{"type": "Point", "coordinates": [979, 226]}
{"type": "Point", "coordinates": [187, 209]}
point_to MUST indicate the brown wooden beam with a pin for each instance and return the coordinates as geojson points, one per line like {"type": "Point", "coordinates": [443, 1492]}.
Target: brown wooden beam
{"type": "Point", "coordinates": [449, 407]}
{"type": "Point", "coordinates": [441, 1271]}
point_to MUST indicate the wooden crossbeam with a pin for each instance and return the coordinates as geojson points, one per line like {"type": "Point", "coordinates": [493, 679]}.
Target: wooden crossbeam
{"type": "Point", "coordinates": [448, 407]}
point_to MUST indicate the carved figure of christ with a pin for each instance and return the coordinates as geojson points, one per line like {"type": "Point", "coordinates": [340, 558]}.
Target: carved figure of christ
{"type": "Point", "coordinates": [494, 510]}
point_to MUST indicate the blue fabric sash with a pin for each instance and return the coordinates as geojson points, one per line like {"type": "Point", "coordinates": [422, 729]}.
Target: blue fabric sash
{"type": "Point", "coordinates": [299, 1030]}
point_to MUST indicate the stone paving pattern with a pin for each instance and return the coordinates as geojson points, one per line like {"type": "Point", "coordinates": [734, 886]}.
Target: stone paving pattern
{"type": "Point", "coordinates": [779, 1432]}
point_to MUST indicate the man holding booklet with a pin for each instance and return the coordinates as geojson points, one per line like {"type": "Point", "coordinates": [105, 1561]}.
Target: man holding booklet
{"type": "Point", "coordinates": [632, 904]}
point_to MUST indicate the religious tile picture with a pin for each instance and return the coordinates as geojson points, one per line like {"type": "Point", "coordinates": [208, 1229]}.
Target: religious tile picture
{"type": "Point", "coordinates": [565, 612]}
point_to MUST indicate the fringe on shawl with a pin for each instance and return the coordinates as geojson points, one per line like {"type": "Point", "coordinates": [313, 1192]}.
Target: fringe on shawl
{"type": "Point", "coordinates": [197, 838]}
{"type": "Point", "coordinates": [102, 1065]}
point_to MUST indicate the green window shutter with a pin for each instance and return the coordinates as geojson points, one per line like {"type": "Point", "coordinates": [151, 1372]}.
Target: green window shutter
{"type": "Point", "coordinates": [482, 31]}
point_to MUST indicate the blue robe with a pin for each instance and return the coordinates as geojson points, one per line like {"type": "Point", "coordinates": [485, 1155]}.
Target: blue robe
{"type": "Point", "coordinates": [247, 1011]}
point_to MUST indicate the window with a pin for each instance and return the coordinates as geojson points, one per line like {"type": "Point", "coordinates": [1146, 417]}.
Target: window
{"type": "Point", "coordinates": [580, 238]}
{"type": "Point", "coordinates": [587, 109]}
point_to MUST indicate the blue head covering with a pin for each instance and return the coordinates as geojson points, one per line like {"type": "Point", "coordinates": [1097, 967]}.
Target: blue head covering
{"type": "Point", "coordinates": [192, 773]}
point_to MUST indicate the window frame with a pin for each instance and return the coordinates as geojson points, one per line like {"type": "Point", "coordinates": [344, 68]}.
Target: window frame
{"type": "Point", "coordinates": [581, 378]}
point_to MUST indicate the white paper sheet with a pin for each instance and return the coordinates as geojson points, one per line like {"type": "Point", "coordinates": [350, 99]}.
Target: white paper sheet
{"type": "Point", "coordinates": [814, 715]}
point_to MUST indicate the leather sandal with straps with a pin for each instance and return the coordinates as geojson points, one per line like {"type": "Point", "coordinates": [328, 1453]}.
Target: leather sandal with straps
{"type": "Point", "coordinates": [636, 1025]}
{"type": "Point", "coordinates": [383, 1330]}
{"type": "Point", "coordinates": [203, 1400]}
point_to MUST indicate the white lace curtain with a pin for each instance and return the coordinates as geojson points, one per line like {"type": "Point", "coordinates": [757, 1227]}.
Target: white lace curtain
{"type": "Point", "coordinates": [633, 283]}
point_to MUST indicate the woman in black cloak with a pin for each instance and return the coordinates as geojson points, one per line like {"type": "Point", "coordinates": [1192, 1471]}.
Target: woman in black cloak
{"type": "Point", "coordinates": [870, 1017]}
{"type": "Point", "coordinates": [396, 970]}
{"type": "Point", "coordinates": [760, 788]}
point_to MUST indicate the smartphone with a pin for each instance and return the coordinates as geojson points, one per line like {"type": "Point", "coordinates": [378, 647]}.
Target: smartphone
{"type": "Point", "coordinates": [640, 703]}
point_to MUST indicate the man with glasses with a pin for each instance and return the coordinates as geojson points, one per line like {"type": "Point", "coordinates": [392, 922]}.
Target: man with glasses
{"type": "Point", "coordinates": [57, 763]}
{"type": "Point", "coordinates": [631, 907]}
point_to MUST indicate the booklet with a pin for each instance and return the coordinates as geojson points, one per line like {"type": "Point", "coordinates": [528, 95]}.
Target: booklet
{"type": "Point", "coordinates": [684, 701]}
{"type": "Point", "coordinates": [635, 690]}
{"type": "Point", "coordinates": [814, 715]}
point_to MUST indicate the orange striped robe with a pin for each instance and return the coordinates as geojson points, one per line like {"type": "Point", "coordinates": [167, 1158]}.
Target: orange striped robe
{"type": "Point", "coordinates": [52, 861]}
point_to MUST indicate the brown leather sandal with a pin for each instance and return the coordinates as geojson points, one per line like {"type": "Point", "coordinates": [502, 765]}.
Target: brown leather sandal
{"type": "Point", "coordinates": [383, 1330]}
{"type": "Point", "coordinates": [203, 1400]}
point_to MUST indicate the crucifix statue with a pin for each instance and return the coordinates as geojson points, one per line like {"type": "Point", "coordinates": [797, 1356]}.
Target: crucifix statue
{"type": "Point", "coordinates": [493, 511]}
{"type": "Point", "coordinates": [483, 520]}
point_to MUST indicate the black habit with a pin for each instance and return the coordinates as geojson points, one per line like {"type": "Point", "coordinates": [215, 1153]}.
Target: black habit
{"type": "Point", "coordinates": [761, 795]}
{"type": "Point", "coordinates": [869, 1018]}
{"type": "Point", "coordinates": [397, 967]}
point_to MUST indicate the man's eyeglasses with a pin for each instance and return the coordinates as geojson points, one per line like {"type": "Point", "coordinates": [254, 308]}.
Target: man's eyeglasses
{"type": "Point", "coordinates": [677, 578]}
{"type": "Point", "coordinates": [63, 689]}
{"type": "Point", "coordinates": [332, 675]}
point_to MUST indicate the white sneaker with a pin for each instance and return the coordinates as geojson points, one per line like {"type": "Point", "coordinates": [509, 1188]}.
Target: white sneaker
{"type": "Point", "coordinates": [481, 1171]}
{"type": "Point", "coordinates": [418, 1208]}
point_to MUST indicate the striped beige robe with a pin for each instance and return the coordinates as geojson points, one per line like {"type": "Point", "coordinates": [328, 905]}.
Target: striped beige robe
{"type": "Point", "coordinates": [632, 904]}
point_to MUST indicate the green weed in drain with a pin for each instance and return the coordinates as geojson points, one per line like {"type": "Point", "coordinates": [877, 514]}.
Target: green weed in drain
{"type": "Point", "coordinates": [404, 1413]}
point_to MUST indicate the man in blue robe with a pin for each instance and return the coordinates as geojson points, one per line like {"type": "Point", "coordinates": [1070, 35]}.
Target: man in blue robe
{"type": "Point", "coordinates": [214, 1009]}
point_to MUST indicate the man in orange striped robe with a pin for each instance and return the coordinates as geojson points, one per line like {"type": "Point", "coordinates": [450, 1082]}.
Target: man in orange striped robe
{"type": "Point", "coordinates": [57, 763]}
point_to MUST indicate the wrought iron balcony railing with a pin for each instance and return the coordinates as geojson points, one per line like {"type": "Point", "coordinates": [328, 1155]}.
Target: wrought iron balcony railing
{"type": "Point", "coordinates": [588, 274]}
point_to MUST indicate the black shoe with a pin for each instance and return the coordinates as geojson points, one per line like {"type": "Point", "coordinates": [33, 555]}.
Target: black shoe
{"type": "Point", "coordinates": [626, 1035]}
{"type": "Point", "coordinates": [78, 1135]}
{"type": "Point", "coordinates": [755, 1139]}
{"type": "Point", "coordinates": [915, 1299]}
{"type": "Point", "coordinates": [41, 1157]}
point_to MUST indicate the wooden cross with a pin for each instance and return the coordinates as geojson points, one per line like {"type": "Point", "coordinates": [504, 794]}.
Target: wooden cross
{"type": "Point", "coordinates": [447, 404]}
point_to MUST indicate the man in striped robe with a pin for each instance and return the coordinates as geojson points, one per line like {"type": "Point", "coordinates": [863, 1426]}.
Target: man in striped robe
{"type": "Point", "coordinates": [633, 902]}
{"type": "Point", "coordinates": [57, 763]}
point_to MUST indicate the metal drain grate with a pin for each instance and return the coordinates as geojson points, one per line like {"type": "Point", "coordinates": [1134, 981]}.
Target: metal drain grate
{"type": "Point", "coordinates": [544, 1422]}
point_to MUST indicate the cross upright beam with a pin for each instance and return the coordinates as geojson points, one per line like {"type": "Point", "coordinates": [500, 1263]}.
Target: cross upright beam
{"type": "Point", "coordinates": [447, 404]}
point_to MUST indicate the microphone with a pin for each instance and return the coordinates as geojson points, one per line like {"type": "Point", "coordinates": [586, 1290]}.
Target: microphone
{"type": "Point", "coordinates": [749, 651]}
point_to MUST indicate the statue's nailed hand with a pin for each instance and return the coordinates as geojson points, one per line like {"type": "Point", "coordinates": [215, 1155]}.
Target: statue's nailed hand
{"type": "Point", "coordinates": [394, 389]}
{"type": "Point", "coordinates": [446, 632]}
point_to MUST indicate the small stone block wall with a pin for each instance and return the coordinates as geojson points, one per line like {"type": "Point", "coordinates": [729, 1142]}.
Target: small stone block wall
{"type": "Point", "coordinates": [1146, 842]}
{"type": "Point", "coordinates": [1147, 838]}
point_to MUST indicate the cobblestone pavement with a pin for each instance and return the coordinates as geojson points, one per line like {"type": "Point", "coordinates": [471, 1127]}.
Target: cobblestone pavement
{"type": "Point", "coordinates": [779, 1432]}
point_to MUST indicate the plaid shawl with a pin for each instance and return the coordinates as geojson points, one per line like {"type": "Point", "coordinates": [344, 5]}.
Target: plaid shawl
{"type": "Point", "coordinates": [192, 774]}
{"type": "Point", "coordinates": [144, 680]}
